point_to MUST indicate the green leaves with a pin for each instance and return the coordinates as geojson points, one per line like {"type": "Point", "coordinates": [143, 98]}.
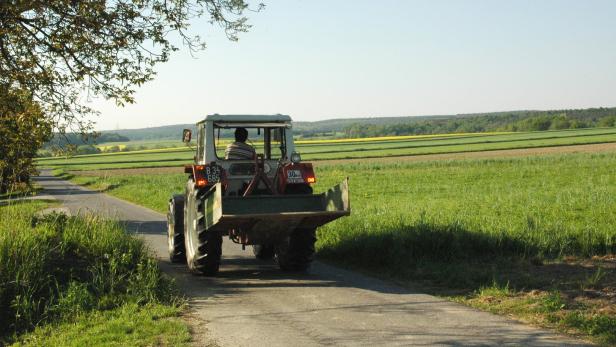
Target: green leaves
{"type": "Point", "coordinates": [62, 50]}
{"type": "Point", "coordinates": [54, 54]}
{"type": "Point", "coordinates": [23, 130]}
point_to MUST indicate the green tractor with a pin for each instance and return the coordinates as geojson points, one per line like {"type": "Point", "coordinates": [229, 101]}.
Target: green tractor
{"type": "Point", "coordinates": [256, 190]}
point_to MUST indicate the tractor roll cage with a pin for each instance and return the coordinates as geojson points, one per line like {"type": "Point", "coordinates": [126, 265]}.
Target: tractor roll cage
{"type": "Point", "coordinates": [227, 125]}
{"type": "Point", "coordinates": [273, 125]}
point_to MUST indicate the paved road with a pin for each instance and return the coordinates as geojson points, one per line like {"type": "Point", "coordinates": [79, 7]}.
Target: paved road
{"type": "Point", "coordinates": [252, 303]}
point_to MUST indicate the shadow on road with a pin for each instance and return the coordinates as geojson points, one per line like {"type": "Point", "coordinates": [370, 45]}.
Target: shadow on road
{"type": "Point", "coordinates": [146, 227]}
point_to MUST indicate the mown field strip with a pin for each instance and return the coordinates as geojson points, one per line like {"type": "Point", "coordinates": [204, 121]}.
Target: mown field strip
{"type": "Point", "coordinates": [368, 149]}
{"type": "Point", "coordinates": [435, 143]}
{"type": "Point", "coordinates": [460, 148]}
{"type": "Point", "coordinates": [384, 142]}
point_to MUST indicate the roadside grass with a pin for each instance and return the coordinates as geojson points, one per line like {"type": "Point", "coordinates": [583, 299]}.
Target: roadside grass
{"type": "Point", "coordinates": [552, 307]}
{"type": "Point", "coordinates": [504, 235]}
{"type": "Point", "coordinates": [127, 325]}
{"type": "Point", "coordinates": [69, 279]}
{"type": "Point", "coordinates": [20, 191]}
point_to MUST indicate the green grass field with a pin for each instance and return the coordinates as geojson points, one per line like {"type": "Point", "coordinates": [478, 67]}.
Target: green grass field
{"type": "Point", "coordinates": [474, 228]}
{"type": "Point", "coordinates": [535, 206]}
{"type": "Point", "coordinates": [370, 148]}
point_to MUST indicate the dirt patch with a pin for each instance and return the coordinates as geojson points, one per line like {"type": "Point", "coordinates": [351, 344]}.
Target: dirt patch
{"type": "Point", "coordinates": [503, 153]}
{"type": "Point", "coordinates": [506, 153]}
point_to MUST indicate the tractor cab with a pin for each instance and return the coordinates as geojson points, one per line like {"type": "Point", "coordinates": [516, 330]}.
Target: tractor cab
{"type": "Point", "coordinates": [274, 166]}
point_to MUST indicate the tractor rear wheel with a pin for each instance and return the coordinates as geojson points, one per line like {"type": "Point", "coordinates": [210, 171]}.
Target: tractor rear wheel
{"type": "Point", "coordinates": [263, 252]}
{"type": "Point", "coordinates": [203, 247]}
{"type": "Point", "coordinates": [296, 251]}
{"type": "Point", "coordinates": [175, 229]}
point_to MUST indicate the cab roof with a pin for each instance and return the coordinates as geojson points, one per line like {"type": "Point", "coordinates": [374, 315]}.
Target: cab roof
{"type": "Point", "coordinates": [246, 118]}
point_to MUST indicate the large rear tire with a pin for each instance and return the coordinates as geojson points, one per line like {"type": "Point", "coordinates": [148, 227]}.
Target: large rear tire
{"type": "Point", "coordinates": [296, 251]}
{"type": "Point", "coordinates": [175, 229]}
{"type": "Point", "coordinates": [203, 247]}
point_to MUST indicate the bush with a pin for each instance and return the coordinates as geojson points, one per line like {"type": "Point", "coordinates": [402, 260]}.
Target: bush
{"type": "Point", "coordinates": [112, 149]}
{"type": "Point", "coordinates": [608, 121]}
{"type": "Point", "coordinates": [55, 267]}
{"type": "Point", "coordinates": [88, 149]}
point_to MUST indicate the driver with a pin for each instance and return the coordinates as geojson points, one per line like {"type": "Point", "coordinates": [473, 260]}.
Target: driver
{"type": "Point", "coordinates": [240, 150]}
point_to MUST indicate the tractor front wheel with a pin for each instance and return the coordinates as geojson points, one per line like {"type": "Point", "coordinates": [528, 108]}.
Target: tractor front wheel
{"type": "Point", "coordinates": [296, 251]}
{"type": "Point", "coordinates": [203, 247]}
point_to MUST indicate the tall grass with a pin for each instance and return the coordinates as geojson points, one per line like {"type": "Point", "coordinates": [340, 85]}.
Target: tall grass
{"type": "Point", "coordinates": [56, 268]}
{"type": "Point", "coordinates": [476, 209]}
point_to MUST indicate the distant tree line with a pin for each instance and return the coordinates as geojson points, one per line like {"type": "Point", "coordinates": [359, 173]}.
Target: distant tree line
{"type": "Point", "coordinates": [74, 143]}
{"type": "Point", "coordinates": [506, 121]}
{"type": "Point", "coordinates": [61, 140]}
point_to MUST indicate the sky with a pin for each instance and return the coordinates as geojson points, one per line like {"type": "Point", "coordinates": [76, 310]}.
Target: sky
{"type": "Point", "coordinates": [316, 60]}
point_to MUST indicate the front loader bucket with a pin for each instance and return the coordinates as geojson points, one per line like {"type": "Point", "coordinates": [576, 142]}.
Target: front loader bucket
{"type": "Point", "coordinates": [266, 215]}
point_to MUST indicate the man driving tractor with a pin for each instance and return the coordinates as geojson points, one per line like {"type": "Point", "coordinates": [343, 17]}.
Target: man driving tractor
{"type": "Point", "coordinates": [240, 150]}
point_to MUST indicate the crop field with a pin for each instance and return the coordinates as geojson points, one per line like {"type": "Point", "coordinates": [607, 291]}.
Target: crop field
{"type": "Point", "coordinates": [354, 148]}
{"type": "Point", "coordinates": [142, 144]}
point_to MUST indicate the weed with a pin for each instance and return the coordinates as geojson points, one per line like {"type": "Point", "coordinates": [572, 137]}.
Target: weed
{"type": "Point", "coordinates": [593, 281]}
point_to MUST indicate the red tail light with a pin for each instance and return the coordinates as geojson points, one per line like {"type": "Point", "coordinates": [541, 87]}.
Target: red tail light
{"type": "Point", "coordinates": [201, 182]}
{"type": "Point", "coordinates": [205, 175]}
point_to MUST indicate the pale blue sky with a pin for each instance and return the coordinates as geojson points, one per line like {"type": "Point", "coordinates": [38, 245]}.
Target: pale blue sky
{"type": "Point", "coordinates": [323, 59]}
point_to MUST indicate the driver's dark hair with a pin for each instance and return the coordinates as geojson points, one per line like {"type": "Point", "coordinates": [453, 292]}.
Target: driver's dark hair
{"type": "Point", "coordinates": [241, 134]}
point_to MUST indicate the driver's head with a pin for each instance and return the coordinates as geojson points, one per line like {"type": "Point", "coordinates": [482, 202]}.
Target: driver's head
{"type": "Point", "coordinates": [241, 134]}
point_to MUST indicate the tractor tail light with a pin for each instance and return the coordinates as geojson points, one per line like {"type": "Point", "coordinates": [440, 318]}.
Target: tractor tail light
{"type": "Point", "coordinates": [308, 173]}
{"type": "Point", "coordinates": [201, 182]}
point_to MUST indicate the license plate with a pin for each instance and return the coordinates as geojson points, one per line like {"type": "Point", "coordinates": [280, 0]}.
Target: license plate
{"type": "Point", "coordinates": [212, 173]}
{"type": "Point", "coordinates": [295, 176]}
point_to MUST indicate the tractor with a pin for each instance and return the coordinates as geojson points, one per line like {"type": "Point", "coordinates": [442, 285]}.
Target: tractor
{"type": "Point", "coordinates": [257, 192]}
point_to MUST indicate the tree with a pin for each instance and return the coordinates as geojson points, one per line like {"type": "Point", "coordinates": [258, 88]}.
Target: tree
{"type": "Point", "coordinates": [23, 130]}
{"type": "Point", "coordinates": [62, 51]}
{"type": "Point", "coordinates": [56, 53]}
{"type": "Point", "coordinates": [608, 121]}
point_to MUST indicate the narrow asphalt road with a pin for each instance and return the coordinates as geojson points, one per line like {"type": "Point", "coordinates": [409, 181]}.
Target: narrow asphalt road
{"type": "Point", "coordinates": [252, 303]}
